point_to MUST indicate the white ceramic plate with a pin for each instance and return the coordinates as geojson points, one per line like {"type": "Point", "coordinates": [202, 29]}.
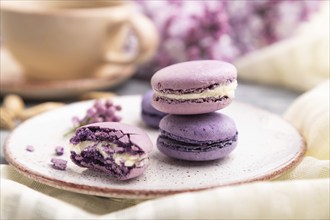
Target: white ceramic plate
{"type": "Point", "coordinates": [267, 147]}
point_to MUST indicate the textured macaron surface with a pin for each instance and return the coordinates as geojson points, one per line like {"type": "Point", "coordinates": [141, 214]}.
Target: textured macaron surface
{"type": "Point", "coordinates": [147, 107]}
{"type": "Point", "coordinates": [197, 137]}
{"type": "Point", "coordinates": [199, 128]}
{"type": "Point", "coordinates": [150, 115]}
{"type": "Point", "coordinates": [193, 75]}
{"type": "Point", "coordinates": [194, 87]}
{"type": "Point", "coordinates": [118, 149]}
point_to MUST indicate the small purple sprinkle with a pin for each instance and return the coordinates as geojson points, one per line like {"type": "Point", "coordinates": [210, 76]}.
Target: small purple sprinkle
{"type": "Point", "coordinates": [59, 164]}
{"type": "Point", "coordinates": [59, 150]}
{"type": "Point", "coordinates": [29, 148]}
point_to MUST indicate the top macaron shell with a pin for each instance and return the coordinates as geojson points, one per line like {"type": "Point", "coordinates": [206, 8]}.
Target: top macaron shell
{"type": "Point", "coordinates": [194, 87]}
{"type": "Point", "coordinates": [193, 74]}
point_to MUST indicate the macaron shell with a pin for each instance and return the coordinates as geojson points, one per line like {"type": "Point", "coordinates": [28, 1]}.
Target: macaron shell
{"type": "Point", "coordinates": [193, 74]}
{"type": "Point", "coordinates": [197, 137]}
{"type": "Point", "coordinates": [135, 172]}
{"type": "Point", "coordinates": [149, 114]}
{"type": "Point", "coordinates": [206, 127]}
{"type": "Point", "coordinates": [146, 105]}
{"type": "Point", "coordinates": [216, 153]}
{"type": "Point", "coordinates": [190, 107]}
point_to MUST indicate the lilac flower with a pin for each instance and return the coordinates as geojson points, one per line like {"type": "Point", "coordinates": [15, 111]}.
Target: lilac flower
{"type": "Point", "coordinates": [256, 24]}
{"type": "Point", "coordinates": [189, 30]}
{"type": "Point", "coordinates": [222, 30]}
{"type": "Point", "coordinates": [100, 111]}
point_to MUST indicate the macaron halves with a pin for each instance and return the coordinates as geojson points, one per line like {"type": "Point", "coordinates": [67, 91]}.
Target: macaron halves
{"type": "Point", "coordinates": [150, 116]}
{"type": "Point", "coordinates": [197, 137]}
{"type": "Point", "coordinates": [194, 87]}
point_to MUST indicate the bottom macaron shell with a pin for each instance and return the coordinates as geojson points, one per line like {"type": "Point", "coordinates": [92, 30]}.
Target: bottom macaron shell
{"type": "Point", "coordinates": [190, 107]}
{"type": "Point", "coordinates": [216, 153]}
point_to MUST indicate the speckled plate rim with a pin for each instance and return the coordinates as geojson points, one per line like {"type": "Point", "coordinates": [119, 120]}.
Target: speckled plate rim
{"type": "Point", "coordinates": [141, 194]}
{"type": "Point", "coordinates": [147, 193]}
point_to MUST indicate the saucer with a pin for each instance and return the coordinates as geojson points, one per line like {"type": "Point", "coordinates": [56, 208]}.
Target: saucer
{"type": "Point", "coordinates": [13, 81]}
{"type": "Point", "coordinates": [267, 147]}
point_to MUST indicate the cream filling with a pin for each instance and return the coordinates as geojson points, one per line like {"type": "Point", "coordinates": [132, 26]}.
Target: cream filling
{"type": "Point", "coordinates": [82, 145]}
{"type": "Point", "coordinates": [129, 160]}
{"type": "Point", "coordinates": [126, 158]}
{"type": "Point", "coordinates": [220, 91]}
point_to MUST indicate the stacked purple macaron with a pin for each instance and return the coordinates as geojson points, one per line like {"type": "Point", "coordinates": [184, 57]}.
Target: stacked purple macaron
{"type": "Point", "coordinates": [190, 93]}
{"type": "Point", "coordinates": [150, 116]}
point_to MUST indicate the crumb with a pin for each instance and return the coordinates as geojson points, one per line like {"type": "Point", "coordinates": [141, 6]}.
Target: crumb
{"type": "Point", "coordinates": [59, 164]}
{"type": "Point", "coordinates": [59, 150]}
{"type": "Point", "coordinates": [29, 148]}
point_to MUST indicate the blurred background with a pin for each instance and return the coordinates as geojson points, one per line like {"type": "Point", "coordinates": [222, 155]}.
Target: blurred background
{"type": "Point", "coordinates": [225, 30]}
{"type": "Point", "coordinates": [280, 47]}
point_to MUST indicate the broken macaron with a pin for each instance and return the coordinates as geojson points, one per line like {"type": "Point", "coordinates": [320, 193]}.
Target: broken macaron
{"type": "Point", "coordinates": [117, 149]}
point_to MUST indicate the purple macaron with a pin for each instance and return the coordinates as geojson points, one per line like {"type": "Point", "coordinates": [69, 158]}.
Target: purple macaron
{"type": "Point", "coordinates": [149, 114]}
{"type": "Point", "coordinates": [194, 87]}
{"type": "Point", "coordinates": [117, 149]}
{"type": "Point", "coordinates": [197, 137]}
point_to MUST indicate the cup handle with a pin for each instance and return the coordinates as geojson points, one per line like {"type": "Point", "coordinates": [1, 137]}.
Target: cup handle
{"type": "Point", "coordinates": [147, 37]}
